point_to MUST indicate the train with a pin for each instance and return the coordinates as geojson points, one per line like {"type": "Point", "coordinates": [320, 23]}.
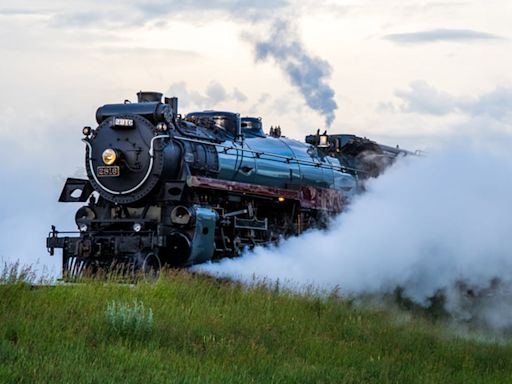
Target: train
{"type": "Point", "coordinates": [165, 189]}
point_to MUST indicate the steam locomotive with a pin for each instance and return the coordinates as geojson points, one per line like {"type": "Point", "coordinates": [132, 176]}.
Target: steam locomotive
{"type": "Point", "coordinates": [166, 189]}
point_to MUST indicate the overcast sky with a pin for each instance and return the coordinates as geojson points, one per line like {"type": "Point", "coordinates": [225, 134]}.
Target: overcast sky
{"type": "Point", "coordinates": [402, 72]}
{"type": "Point", "coordinates": [395, 70]}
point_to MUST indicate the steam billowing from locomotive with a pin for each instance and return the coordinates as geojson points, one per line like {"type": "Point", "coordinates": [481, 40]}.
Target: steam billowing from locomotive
{"type": "Point", "coordinates": [438, 224]}
{"type": "Point", "coordinates": [174, 190]}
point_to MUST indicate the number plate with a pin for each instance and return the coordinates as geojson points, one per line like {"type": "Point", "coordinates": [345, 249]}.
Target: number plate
{"type": "Point", "coordinates": [113, 170]}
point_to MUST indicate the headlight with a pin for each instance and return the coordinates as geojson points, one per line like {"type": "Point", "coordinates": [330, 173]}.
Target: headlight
{"type": "Point", "coordinates": [109, 156]}
{"type": "Point", "coordinates": [83, 227]}
{"type": "Point", "coordinates": [137, 227]}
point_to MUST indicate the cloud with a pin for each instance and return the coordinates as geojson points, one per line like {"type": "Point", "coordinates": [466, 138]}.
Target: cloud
{"type": "Point", "coordinates": [96, 28]}
{"type": "Point", "coordinates": [76, 19]}
{"type": "Point", "coordinates": [214, 95]}
{"type": "Point", "coordinates": [239, 96]}
{"type": "Point", "coordinates": [424, 99]}
{"type": "Point", "coordinates": [440, 35]}
{"type": "Point", "coordinates": [18, 12]}
{"type": "Point", "coordinates": [496, 104]}
{"type": "Point", "coordinates": [136, 12]}
{"type": "Point", "coordinates": [130, 51]}
{"type": "Point", "coordinates": [245, 9]}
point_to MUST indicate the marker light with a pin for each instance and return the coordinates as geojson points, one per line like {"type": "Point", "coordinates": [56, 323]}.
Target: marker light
{"type": "Point", "coordinates": [162, 127]}
{"type": "Point", "coordinates": [324, 141]}
{"type": "Point", "coordinates": [109, 156]}
{"type": "Point", "coordinates": [86, 131]}
{"type": "Point", "coordinates": [83, 227]}
{"type": "Point", "coordinates": [280, 199]}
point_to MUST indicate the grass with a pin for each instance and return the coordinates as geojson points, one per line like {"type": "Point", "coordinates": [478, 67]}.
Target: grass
{"type": "Point", "coordinates": [207, 331]}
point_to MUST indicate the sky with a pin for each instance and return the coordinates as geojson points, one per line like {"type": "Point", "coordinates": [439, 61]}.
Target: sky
{"type": "Point", "coordinates": [409, 73]}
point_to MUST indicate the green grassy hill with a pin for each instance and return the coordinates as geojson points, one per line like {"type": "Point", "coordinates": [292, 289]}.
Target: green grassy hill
{"type": "Point", "coordinates": [204, 331]}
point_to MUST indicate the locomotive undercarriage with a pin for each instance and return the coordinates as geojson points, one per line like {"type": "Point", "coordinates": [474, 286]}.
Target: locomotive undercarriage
{"type": "Point", "coordinates": [201, 226]}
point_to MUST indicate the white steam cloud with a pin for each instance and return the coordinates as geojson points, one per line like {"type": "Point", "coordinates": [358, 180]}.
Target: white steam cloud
{"type": "Point", "coordinates": [442, 222]}
{"type": "Point", "coordinates": [28, 210]}
{"type": "Point", "coordinates": [34, 171]}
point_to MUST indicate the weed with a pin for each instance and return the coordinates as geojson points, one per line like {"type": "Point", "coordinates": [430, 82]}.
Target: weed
{"type": "Point", "coordinates": [125, 319]}
{"type": "Point", "coordinates": [15, 273]}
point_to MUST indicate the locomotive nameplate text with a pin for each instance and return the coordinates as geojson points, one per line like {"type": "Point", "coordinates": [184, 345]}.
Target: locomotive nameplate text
{"type": "Point", "coordinates": [112, 170]}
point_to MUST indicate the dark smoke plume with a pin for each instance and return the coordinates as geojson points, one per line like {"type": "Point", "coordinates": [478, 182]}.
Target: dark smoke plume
{"type": "Point", "coordinates": [306, 72]}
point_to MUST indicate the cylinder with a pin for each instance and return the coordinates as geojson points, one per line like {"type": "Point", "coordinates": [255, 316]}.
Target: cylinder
{"type": "Point", "coordinates": [181, 215]}
{"type": "Point", "coordinates": [178, 248]}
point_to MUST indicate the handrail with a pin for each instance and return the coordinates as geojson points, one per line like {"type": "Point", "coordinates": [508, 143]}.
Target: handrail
{"type": "Point", "coordinates": [259, 153]}
{"type": "Point", "coordinates": [148, 173]}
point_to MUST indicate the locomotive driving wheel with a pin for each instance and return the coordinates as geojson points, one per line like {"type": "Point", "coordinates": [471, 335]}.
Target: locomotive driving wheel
{"type": "Point", "coordinates": [149, 265]}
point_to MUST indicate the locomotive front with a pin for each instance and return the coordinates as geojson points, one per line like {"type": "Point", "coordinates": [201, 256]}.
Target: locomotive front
{"type": "Point", "coordinates": [135, 218]}
{"type": "Point", "coordinates": [130, 150]}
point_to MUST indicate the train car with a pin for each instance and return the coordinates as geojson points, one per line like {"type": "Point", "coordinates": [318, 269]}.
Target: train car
{"type": "Point", "coordinates": [164, 189]}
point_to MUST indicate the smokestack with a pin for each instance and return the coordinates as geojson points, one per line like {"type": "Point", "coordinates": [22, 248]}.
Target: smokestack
{"type": "Point", "coordinates": [149, 97]}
